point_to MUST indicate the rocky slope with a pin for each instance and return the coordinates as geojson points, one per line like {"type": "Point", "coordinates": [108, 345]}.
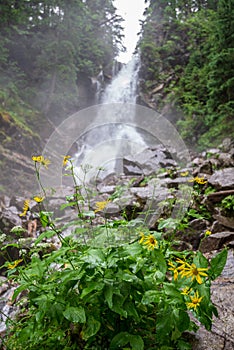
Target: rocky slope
{"type": "Point", "coordinates": [151, 183]}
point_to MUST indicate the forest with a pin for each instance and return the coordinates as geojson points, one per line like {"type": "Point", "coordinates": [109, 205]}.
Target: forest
{"type": "Point", "coordinates": [188, 46]}
{"type": "Point", "coordinates": [50, 49]}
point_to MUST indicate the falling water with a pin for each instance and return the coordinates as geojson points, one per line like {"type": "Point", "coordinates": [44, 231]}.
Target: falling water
{"type": "Point", "coordinates": [113, 134]}
{"type": "Point", "coordinates": [123, 87]}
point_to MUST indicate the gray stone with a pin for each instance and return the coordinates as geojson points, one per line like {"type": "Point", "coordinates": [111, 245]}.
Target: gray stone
{"type": "Point", "coordinates": [148, 162]}
{"type": "Point", "coordinates": [216, 241]}
{"type": "Point", "coordinates": [131, 169]}
{"type": "Point", "coordinates": [9, 218]}
{"type": "Point", "coordinates": [225, 220]}
{"type": "Point", "coordinates": [221, 335]}
{"type": "Point", "coordinates": [217, 227]}
{"type": "Point", "coordinates": [227, 144]}
{"type": "Point", "coordinates": [226, 159]}
{"type": "Point", "coordinates": [222, 179]}
{"type": "Point", "coordinates": [204, 168]}
{"type": "Point", "coordinates": [106, 189]}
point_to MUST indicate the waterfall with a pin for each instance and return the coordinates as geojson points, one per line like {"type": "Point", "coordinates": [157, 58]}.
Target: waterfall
{"type": "Point", "coordinates": [123, 87]}
{"type": "Point", "coordinates": [112, 134]}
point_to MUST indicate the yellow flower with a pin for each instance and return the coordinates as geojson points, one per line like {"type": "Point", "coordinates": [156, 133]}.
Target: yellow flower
{"type": "Point", "coordinates": [182, 264]}
{"type": "Point", "coordinates": [194, 272]}
{"type": "Point", "coordinates": [65, 160]}
{"type": "Point", "coordinates": [25, 207]}
{"type": "Point", "coordinates": [195, 301]}
{"type": "Point", "coordinates": [199, 180]}
{"type": "Point", "coordinates": [185, 173]}
{"type": "Point", "coordinates": [40, 159]}
{"type": "Point", "coordinates": [186, 291]}
{"type": "Point", "coordinates": [14, 264]}
{"type": "Point", "coordinates": [37, 159]}
{"type": "Point", "coordinates": [38, 199]}
{"type": "Point", "coordinates": [45, 162]}
{"type": "Point", "coordinates": [208, 233]}
{"type": "Point", "coordinates": [151, 242]}
{"type": "Point", "coordinates": [142, 238]}
{"type": "Point", "coordinates": [174, 269]}
{"type": "Point", "coordinates": [101, 205]}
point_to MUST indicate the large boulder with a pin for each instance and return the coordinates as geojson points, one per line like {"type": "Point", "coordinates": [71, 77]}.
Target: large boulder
{"type": "Point", "coordinates": [222, 179]}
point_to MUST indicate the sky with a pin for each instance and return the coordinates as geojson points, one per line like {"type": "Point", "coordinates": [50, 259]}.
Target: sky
{"type": "Point", "coordinates": [132, 12]}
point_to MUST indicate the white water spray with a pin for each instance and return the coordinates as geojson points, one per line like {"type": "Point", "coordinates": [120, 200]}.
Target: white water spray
{"type": "Point", "coordinates": [113, 130]}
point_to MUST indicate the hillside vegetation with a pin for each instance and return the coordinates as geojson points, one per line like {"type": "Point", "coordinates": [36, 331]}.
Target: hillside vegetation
{"type": "Point", "coordinates": [187, 58]}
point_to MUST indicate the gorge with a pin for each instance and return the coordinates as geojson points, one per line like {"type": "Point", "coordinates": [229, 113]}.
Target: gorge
{"type": "Point", "coordinates": [151, 143]}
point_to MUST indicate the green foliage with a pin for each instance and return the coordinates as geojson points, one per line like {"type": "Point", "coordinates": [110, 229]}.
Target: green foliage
{"type": "Point", "coordinates": [104, 292]}
{"type": "Point", "coordinates": [192, 56]}
{"type": "Point", "coordinates": [54, 45]}
{"type": "Point", "coordinates": [227, 205]}
{"type": "Point", "coordinates": [94, 294]}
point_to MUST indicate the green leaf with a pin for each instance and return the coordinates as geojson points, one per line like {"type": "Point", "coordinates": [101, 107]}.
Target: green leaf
{"type": "Point", "coordinates": [150, 296]}
{"type": "Point", "coordinates": [133, 250]}
{"type": "Point", "coordinates": [18, 230]}
{"type": "Point", "coordinates": [171, 291]}
{"type": "Point", "coordinates": [131, 310]}
{"type": "Point", "coordinates": [75, 314]}
{"type": "Point", "coordinates": [45, 234]}
{"type": "Point", "coordinates": [169, 223]}
{"type": "Point", "coordinates": [91, 287]}
{"type": "Point", "coordinates": [108, 294]}
{"type": "Point", "coordinates": [200, 260]}
{"type": "Point", "coordinates": [217, 264]}
{"type": "Point", "coordinates": [19, 290]}
{"type": "Point", "coordinates": [137, 266]}
{"type": "Point", "coordinates": [117, 307]}
{"type": "Point", "coordinates": [183, 321]}
{"type": "Point", "coordinates": [90, 214]}
{"type": "Point", "coordinates": [45, 218]}
{"type": "Point", "coordinates": [119, 340]}
{"type": "Point", "coordinates": [182, 345]}
{"type": "Point", "coordinates": [136, 342]}
{"type": "Point", "coordinates": [127, 276]}
{"type": "Point", "coordinates": [94, 257]}
{"type": "Point", "coordinates": [160, 262]}
{"type": "Point", "coordinates": [206, 320]}
{"type": "Point", "coordinates": [65, 205]}
{"type": "Point", "coordinates": [91, 328]}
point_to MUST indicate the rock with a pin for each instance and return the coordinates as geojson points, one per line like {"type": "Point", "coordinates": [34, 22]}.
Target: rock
{"type": "Point", "coordinates": [131, 169]}
{"type": "Point", "coordinates": [222, 179]}
{"type": "Point", "coordinates": [204, 168]}
{"type": "Point", "coordinates": [227, 144]}
{"type": "Point", "coordinates": [225, 220]}
{"type": "Point", "coordinates": [226, 159]}
{"type": "Point", "coordinates": [197, 161]}
{"type": "Point", "coordinates": [148, 162]}
{"type": "Point", "coordinates": [217, 227]}
{"type": "Point", "coordinates": [193, 233]}
{"type": "Point", "coordinates": [112, 209]}
{"type": "Point", "coordinates": [211, 152]}
{"type": "Point", "coordinates": [216, 241]}
{"type": "Point", "coordinates": [9, 218]}
{"type": "Point", "coordinates": [106, 189]}
{"type": "Point", "coordinates": [221, 335]}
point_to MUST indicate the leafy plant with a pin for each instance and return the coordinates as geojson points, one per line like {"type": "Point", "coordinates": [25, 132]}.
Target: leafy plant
{"type": "Point", "coordinates": [228, 204]}
{"type": "Point", "coordinates": [108, 292]}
